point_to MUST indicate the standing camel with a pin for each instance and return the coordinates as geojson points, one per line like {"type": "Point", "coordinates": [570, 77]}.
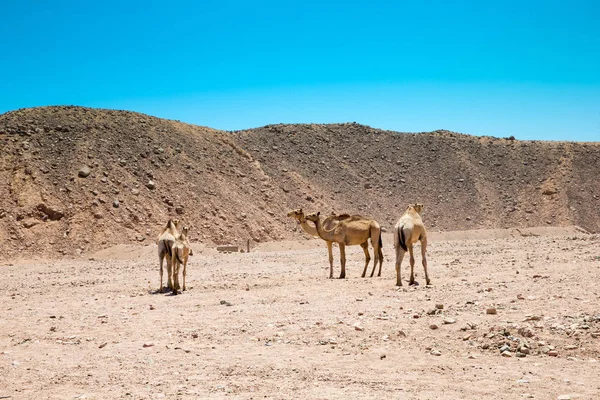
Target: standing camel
{"type": "Point", "coordinates": [352, 231]}
{"type": "Point", "coordinates": [181, 251]}
{"type": "Point", "coordinates": [165, 241]}
{"type": "Point", "coordinates": [408, 230]}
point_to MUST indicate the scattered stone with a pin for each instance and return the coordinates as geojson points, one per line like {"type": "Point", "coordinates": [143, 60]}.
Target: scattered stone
{"type": "Point", "coordinates": [116, 204]}
{"type": "Point", "coordinates": [102, 345]}
{"type": "Point", "coordinates": [433, 326]}
{"type": "Point", "coordinates": [449, 321]}
{"type": "Point", "coordinates": [435, 352]}
{"type": "Point", "coordinates": [439, 306]}
{"type": "Point", "coordinates": [553, 353]}
{"type": "Point", "coordinates": [491, 311]}
{"type": "Point", "coordinates": [357, 327]}
{"type": "Point", "coordinates": [84, 172]}
{"type": "Point", "coordinates": [135, 192]}
{"type": "Point", "coordinates": [506, 354]}
{"type": "Point", "coordinates": [225, 303]}
{"type": "Point", "coordinates": [564, 397]}
{"type": "Point", "coordinates": [151, 185]}
{"type": "Point", "coordinates": [148, 345]}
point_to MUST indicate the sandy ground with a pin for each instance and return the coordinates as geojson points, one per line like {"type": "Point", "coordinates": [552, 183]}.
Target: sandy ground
{"type": "Point", "coordinates": [269, 324]}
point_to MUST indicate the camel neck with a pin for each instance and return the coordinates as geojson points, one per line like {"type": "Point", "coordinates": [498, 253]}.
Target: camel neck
{"type": "Point", "coordinates": [308, 228]}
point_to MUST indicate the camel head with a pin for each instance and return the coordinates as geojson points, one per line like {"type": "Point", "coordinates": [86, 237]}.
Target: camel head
{"type": "Point", "coordinates": [183, 236]}
{"type": "Point", "coordinates": [417, 207]}
{"type": "Point", "coordinates": [314, 217]}
{"type": "Point", "coordinates": [173, 223]}
{"type": "Point", "coordinates": [297, 214]}
{"type": "Point", "coordinates": [184, 233]}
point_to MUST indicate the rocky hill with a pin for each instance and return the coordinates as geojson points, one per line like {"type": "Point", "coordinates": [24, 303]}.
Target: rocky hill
{"type": "Point", "coordinates": [74, 180]}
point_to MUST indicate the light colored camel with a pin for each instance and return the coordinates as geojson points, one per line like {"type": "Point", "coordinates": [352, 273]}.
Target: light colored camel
{"type": "Point", "coordinates": [328, 223]}
{"type": "Point", "coordinates": [351, 231]}
{"type": "Point", "coordinates": [165, 241]}
{"type": "Point", "coordinates": [181, 250]}
{"type": "Point", "coordinates": [408, 230]}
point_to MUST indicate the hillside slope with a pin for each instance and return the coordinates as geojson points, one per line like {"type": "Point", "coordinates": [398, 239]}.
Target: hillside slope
{"type": "Point", "coordinates": [234, 186]}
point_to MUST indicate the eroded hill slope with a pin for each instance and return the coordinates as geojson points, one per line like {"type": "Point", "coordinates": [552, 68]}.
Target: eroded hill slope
{"type": "Point", "coordinates": [75, 179]}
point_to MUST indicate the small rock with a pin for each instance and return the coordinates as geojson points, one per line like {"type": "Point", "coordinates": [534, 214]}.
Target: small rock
{"type": "Point", "coordinates": [148, 345]}
{"type": "Point", "coordinates": [433, 326]}
{"type": "Point", "coordinates": [435, 352]}
{"type": "Point", "coordinates": [449, 321]}
{"type": "Point", "coordinates": [439, 306]}
{"type": "Point", "coordinates": [135, 192]}
{"type": "Point", "coordinates": [84, 172]}
{"type": "Point", "coordinates": [151, 185]}
{"type": "Point", "coordinates": [116, 204]}
{"type": "Point", "coordinates": [491, 311]}
{"type": "Point", "coordinates": [553, 353]}
{"type": "Point", "coordinates": [564, 397]}
{"type": "Point", "coordinates": [102, 345]}
{"type": "Point", "coordinates": [506, 354]}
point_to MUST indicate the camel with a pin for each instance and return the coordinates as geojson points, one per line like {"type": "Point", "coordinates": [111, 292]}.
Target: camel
{"type": "Point", "coordinates": [328, 223]}
{"type": "Point", "coordinates": [408, 230]}
{"type": "Point", "coordinates": [165, 241]}
{"type": "Point", "coordinates": [180, 252]}
{"type": "Point", "coordinates": [351, 231]}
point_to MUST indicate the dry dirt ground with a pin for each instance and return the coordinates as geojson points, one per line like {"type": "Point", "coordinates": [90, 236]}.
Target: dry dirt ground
{"type": "Point", "coordinates": [269, 324]}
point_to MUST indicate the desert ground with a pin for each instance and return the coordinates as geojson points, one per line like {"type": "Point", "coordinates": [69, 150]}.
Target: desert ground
{"type": "Point", "coordinates": [270, 324]}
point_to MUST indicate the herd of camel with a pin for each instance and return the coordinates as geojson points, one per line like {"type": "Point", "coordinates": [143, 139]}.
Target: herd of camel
{"type": "Point", "coordinates": [343, 229]}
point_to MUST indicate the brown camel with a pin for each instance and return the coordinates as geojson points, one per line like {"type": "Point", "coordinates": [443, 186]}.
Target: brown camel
{"type": "Point", "coordinates": [165, 241]}
{"type": "Point", "coordinates": [408, 230]}
{"type": "Point", "coordinates": [351, 231]}
{"type": "Point", "coordinates": [180, 253]}
{"type": "Point", "coordinates": [328, 223]}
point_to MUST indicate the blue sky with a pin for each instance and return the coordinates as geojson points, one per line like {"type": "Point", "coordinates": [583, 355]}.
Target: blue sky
{"type": "Point", "coordinates": [525, 68]}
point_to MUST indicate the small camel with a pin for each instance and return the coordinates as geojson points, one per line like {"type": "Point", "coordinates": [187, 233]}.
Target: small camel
{"type": "Point", "coordinates": [351, 231]}
{"type": "Point", "coordinates": [328, 223]}
{"type": "Point", "coordinates": [165, 241]}
{"type": "Point", "coordinates": [408, 230]}
{"type": "Point", "coordinates": [181, 250]}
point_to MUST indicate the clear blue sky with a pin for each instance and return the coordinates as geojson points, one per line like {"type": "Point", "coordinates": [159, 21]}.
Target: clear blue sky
{"type": "Point", "coordinates": [525, 68]}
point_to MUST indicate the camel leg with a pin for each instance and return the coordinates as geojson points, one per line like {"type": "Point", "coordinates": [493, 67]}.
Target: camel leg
{"type": "Point", "coordinates": [376, 254]}
{"type": "Point", "coordinates": [160, 271]}
{"type": "Point", "coordinates": [424, 259]}
{"type": "Point", "coordinates": [185, 260]}
{"type": "Point", "coordinates": [412, 265]}
{"type": "Point", "coordinates": [175, 272]}
{"type": "Point", "coordinates": [343, 260]}
{"type": "Point", "coordinates": [169, 274]}
{"type": "Point", "coordinates": [380, 252]}
{"type": "Point", "coordinates": [330, 251]}
{"type": "Point", "coordinates": [365, 247]}
{"type": "Point", "coordinates": [399, 257]}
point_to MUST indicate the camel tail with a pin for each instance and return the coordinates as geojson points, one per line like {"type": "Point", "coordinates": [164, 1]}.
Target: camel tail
{"type": "Point", "coordinates": [380, 241]}
{"type": "Point", "coordinates": [402, 239]}
{"type": "Point", "coordinates": [178, 259]}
